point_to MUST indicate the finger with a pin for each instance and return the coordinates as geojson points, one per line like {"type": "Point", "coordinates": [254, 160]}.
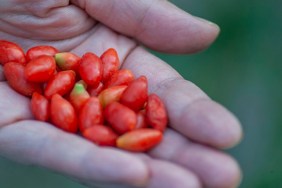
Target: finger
{"type": "Point", "coordinates": [167, 175]}
{"type": "Point", "coordinates": [214, 168]}
{"type": "Point", "coordinates": [13, 106]}
{"type": "Point", "coordinates": [190, 111]}
{"type": "Point", "coordinates": [157, 24]}
{"type": "Point", "coordinates": [38, 143]}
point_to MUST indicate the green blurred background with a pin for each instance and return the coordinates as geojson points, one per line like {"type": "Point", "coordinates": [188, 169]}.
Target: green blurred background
{"type": "Point", "coordinates": [241, 70]}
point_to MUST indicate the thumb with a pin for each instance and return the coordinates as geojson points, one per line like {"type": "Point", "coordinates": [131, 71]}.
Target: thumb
{"type": "Point", "coordinates": [157, 24]}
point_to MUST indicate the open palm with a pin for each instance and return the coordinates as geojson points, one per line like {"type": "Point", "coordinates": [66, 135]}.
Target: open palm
{"type": "Point", "coordinates": [188, 155]}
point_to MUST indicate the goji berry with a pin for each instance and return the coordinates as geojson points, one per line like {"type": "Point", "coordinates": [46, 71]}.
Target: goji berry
{"type": "Point", "coordinates": [15, 75]}
{"type": "Point", "coordinates": [136, 94]}
{"type": "Point", "coordinates": [40, 107]}
{"type": "Point", "coordinates": [40, 69]}
{"type": "Point", "coordinates": [37, 51]}
{"type": "Point", "coordinates": [78, 96]}
{"type": "Point", "coordinates": [67, 61]}
{"type": "Point", "coordinates": [61, 83]}
{"type": "Point", "coordinates": [101, 135]}
{"type": "Point", "coordinates": [95, 91]}
{"type": "Point", "coordinates": [139, 140]}
{"type": "Point", "coordinates": [90, 114]}
{"type": "Point", "coordinates": [121, 77]}
{"type": "Point", "coordinates": [121, 118]}
{"type": "Point", "coordinates": [141, 121]}
{"type": "Point", "coordinates": [110, 62]}
{"type": "Point", "coordinates": [63, 114]}
{"type": "Point", "coordinates": [11, 52]}
{"type": "Point", "coordinates": [90, 69]}
{"type": "Point", "coordinates": [111, 94]}
{"type": "Point", "coordinates": [156, 115]}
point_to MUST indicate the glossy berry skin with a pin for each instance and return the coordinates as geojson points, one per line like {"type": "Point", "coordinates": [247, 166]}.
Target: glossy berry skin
{"type": "Point", "coordinates": [110, 61]}
{"type": "Point", "coordinates": [63, 114]}
{"type": "Point", "coordinates": [11, 52]}
{"type": "Point", "coordinates": [61, 83]}
{"type": "Point", "coordinates": [15, 75]}
{"type": "Point", "coordinates": [37, 51]}
{"type": "Point", "coordinates": [101, 135]}
{"type": "Point", "coordinates": [95, 91]}
{"type": "Point", "coordinates": [90, 69]}
{"type": "Point", "coordinates": [139, 140]}
{"type": "Point", "coordinates": [67, 61]}
{"type": "Point", "coordinates": [40, 107]}
{"type": "Point", "coordinates": [90, 114]}
{"type": "Point", "coordinates": [156, 115]}
{"type": "Point", "coordinates": [40, 69]}
{"type": "Point", "coordinates": [78, 96]}
{"type": "Point", "coordinates": [136, 94]}
{"type": "Point", "coordinates": [121, 77]}
{"type": "Point", "coordinates": [121, 118]}
{"type": "Point", "coordinates": [110, 95]}
{"type": "Point", "coordinates": [141, 120]}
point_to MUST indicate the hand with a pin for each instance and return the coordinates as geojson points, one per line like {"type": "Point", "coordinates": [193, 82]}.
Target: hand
{"type": "Point", "coordinates": [188, 155]}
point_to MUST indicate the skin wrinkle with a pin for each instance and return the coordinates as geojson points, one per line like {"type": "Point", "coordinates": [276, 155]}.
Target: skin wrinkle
{"type": "Point", "coordinates": [123, 45]}
{"type": "Point", "coordinates": [56, 21]}
{"type": "Point", "coordinates": [144, 16]}
{"type": "Point", "coordinates": [42, 8]}
{"type": "Point", "coordinates": [62, 45]}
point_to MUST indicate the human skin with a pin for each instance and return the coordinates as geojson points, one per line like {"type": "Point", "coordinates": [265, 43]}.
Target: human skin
{"type": "Point", "coordinates": [190, 154]}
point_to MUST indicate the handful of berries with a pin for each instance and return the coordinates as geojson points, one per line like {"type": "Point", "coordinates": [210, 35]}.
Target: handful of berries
{"type": "Point", "coordinates": [89, 95]}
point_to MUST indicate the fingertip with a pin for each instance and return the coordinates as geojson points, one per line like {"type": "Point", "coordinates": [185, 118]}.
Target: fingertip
{"type": "Point", "coordinates": [233, 175]}
{"type": "Point", "coordinates": [228, 174]}
{"type": "Point", "coordinates": [233, 137]}
{"type": "Point", "coordinates": [184, 34]}
{"type": "Point", "coordinates": [215, 169]}
{"type": "Point", "coordinates": [206, 33]}
{"type": "Point", "coordinates": [229, 127]}
{"type": "Point", "coordinates": [210, 123]}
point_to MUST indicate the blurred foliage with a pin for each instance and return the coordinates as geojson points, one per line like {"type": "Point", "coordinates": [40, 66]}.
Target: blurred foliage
{"type": "Point", "coordinates": [242, 70]}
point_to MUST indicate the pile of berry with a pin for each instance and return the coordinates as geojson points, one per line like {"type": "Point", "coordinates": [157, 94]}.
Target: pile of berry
{"type": "Point", "coordinates": [88, 95]}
